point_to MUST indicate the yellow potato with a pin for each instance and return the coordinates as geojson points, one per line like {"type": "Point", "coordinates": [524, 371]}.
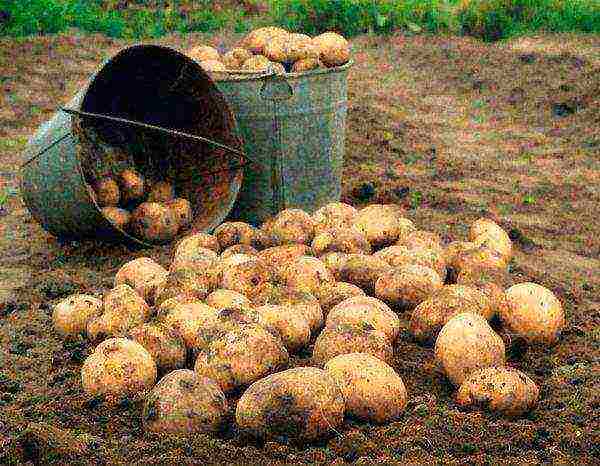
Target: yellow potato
{"type": "Point", "coordinates": [191, 253]}
{"type": "Point", "coordinates": [334, 293]}
{"type": "Point", "coordinates": [162, 191]}
{"type": "Point", "coordinates": [372, 390]}
{"type": "Point", "coordinates": [490, 281]}
{"type": "Point", "coordinates": [123, 309]}
{"type": "Point", "coordinates": [293, 226]}
{"type": "Point", "coordinates": [257, 63]}
{"type": "Point", "coordinates": [256, 40]}
{"type": "Point", "coordinates": [451, 253]}
{"type": "Point", "coordinates": [363, 271]}
{"type": "Point", "coordinates": [279, 257]}
{"type": "Point", "coordinates": [307, 274]}
{"type": "Point", "coordinates": [481, 256]}
{"type": "Point", "coordinates": [422, 239]}
{"type": "Point", "coordinates": [484, 226]}
{"type": "Point", "coordinates": [222, 322]}
{"type": "Point", "coordinates": [380, 224]}
{"type": "Point", "coordinates": [195, 241]}
{"type": "Point", "coordinates": [502, 389]}
{"type": "Point", "coordinates": [365, 310]}
{"type": "Point", "coordinates": [334, 215]}
{"type": "Point", "coordinates": [277, 48]}
{"type": "Point", "coordinates": [182, 282]}
{"type": "Point", "coordinates": [164, 345]}
{"type": "Point", "coordinates": [346, 240]}
{"type": "Point", "coordinates": [204, 52]}
{"type": "Point", "coordinates": [408, 286]}
{"type": "Point", "coordinates": [154, 222]}
{"type": "Point", "coordinates": [227, 299]}
{"type": "Point", "coordinates": [334, 50]}
{"type": "Point", "coordinates": [118, 368]}
{"type": "Point", "coordinates": [344, 339]}
{"type": "Point", "coordinates": [239, 249]}
{"type": "Point", "coordinates": [246, 276]}
{"type": "Point", "coordinates": [173, 303]}
{"type": "Point", "coordinates": [241, 357]}
{"type": "Point", "coordinates": [107, 192]}
{"type": "Point", "coordinates": [431, 315]}
{"type": "Point", "coordinates": [118, 217]}
{"type": "Point", "coordinates": [286, 322]}
{"type": "Point", "coordinates": [143, 275]}
{"type": "Point", "coordinates": [278, 68]}
{"type": "Point", "coordinates": [533, 313]}
{"type": "Point", "coordinates": [306, 64]}
{"type": "Point", "coordinates": [301, 47]}
{"type": "Point", "coordinates": [132, 186]}
{"type": "Point", "coordinates": [183, 211]}
{"type": "Point", "coordinates": [182, 402]}
{"type": "Point", "coordinates": [303, 403]}
{"type": "Point", "coordinates": [400, 256]}
{"type": "Point", "coordinates": [72, 314]}
{"type": "Point", "coordinates": [187, 319]}
{"type": "Point", "coordinates": [335, 262]}
{"type": "Point", "coordinates": [498, 241]}
{"type": "Point", "coordinates": [235, 58]}
{"type": "Point", "coordinates": [212, 65]}
{"type": "Point", "coordinates": [467, 343]}
{"type": "Point", "coordinates": [232, 233]}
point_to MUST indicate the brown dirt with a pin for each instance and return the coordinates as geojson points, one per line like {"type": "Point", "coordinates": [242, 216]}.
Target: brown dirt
{"type": "Point", "coordinates": [449, 127]}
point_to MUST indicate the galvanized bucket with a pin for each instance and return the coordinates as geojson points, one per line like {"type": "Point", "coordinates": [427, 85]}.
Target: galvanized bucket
{"type": "Point", "coordinates": [54, 182]}
{"type": "Point", "coordinates": [293, 125]}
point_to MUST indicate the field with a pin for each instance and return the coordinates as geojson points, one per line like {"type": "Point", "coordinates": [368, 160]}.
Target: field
{"type": "Point", "coordinates": [452, 129]}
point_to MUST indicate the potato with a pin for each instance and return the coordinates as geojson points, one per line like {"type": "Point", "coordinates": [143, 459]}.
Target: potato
{"type": "Point", "coordinates": [334, 293]}
{"type": "Point", "coordinates": [143, 275]}
{"type": "Point", "coordinates": [173, 303]}
{"type": "Point", "coordinates": [305, 302]}
{"type": "Point", "coordinates": [286, 322]}
{"type": "Point", "coordinates": [256, 40]}
{"type": "Point", "coordinates": [484, 226]}
{"type": "Point", "coordinates": [164, 344]}
{"type": "Point", "coordinates": [246, 277]}
{"type": "Point", "coordinates": [533, 313]}
{"type": "Point", "coordinates": [123, 309]}
{"type": "Point", "coordinates": [306, 64]}
{"type": "Point", "coordinates": [365, 310]}
{"type": "Point", "coordinates": [118, 217]}
{"type": "Point", "coordinates": [162, 191]}
{"type": "Point", "coordinates": [451, 253]}
{"type": "Point", "coordinates": [263, 239]}
{"type": "Point", "coordinates": [183, 211]}
{"type": "Point", "coordinates": [154, 222]}
{"type": "Point", "coordinates": [227, 299]}
{"type": "Point", "coordinates": [279, 257]}
{"type": "Point", "coordinates": [363, 271]}
{"type": "Point", "coordinates": [241, 357]}
{"type": "Point", "coordinates": [343, 339]}
{"type": "Point", "coordinates": [408, 286]}
{"type": "Point", "coordinates": [422, 239]}
{"type": "Point", "coordinates": [481, 256]}
{"type": "Point", "coordinates": [257, 63]}
{"type": "Point", "coordinates": [232, 233]}
{"type": "Point", "coordinates": [293, 226]}
{"type": "Point", "coordinates": [334, 50]}
{"type": "Point", "coordinates": [431, 315]}
{"type": "Point", "coordinates": [372, 390]}
{"type": "Point", "coordinates": [189, 254]}
{"type": "Point", "coordinates": [303, 403]}
{"type": "Point", "coordinates": [379, 223]}
{"type": "Point", "coordinates": [498, 241]}
{"type": "Point", "coordinates": [346, 240]}
{"type": "Point", "coordinates": [400, 256]}
{"type": "Point", "coordinates": [301, 47]}
{"type": "Point", "coordinates": [118, 368]}
{"type": "Point", "coordinates": [212, 65]}
{"type": "Point", "coordinates": [307, 274]}
{"type": "Point", "coordinates": [132, 185]}
{"type": "Point", "coordinates": [467, 343]}
{"type": "Point", "coordinates": [195, 241]}
{"type": "Point", "coordinates": [490, 281]}
{"type": "Point", "coordinates": [239, 249]}
{"type": "Point", "coordinates": [502, 389]}
{"type": "Point", "coordinates": [204, 52]}
{"type": "Point", "coordinates": [72, 314]}
{"type": "Point", "coordinates": [182, 402]}
{"type": "Point", "coordinates": [276, 49]}
{"type": "Point", "coordinates": [187, 319]}
{"type": "Point", "coordinates": [222, 322]}
{"type": "Point", "coordinates": [334, 215]}
{"type": "Point", "coordinates": [335, 262]}
{"type": "Point", "coordinates": [183, 282]}
{"type": "Point", "coordinates": [278, 68]}
{"type": "Point", "coordinates": [235, 58]}
{"type": "Point", "coordinates": [107, 192]}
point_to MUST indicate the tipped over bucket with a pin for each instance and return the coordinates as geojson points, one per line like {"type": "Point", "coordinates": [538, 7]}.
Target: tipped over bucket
{"type": "Point", "coordinates": [150, 84]}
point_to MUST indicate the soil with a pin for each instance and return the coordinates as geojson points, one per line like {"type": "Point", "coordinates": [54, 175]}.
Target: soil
{"type": "Point", "coordinates": [452, 129]}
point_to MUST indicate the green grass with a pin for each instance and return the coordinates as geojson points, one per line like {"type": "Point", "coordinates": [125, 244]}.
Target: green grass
{"type": "Point", "coordinates": [488, 19]}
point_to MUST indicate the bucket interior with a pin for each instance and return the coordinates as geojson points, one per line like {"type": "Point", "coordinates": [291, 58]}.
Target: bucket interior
{"type": "Point", "coordinates": [159, 86]}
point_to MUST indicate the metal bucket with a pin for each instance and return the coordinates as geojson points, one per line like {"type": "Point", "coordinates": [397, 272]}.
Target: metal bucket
{"type": "Point", "coordinates": [294, 127]}
{"type": "Point", "coordinates": [143, 83]}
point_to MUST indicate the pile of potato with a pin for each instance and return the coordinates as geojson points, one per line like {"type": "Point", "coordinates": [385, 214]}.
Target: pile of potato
{"type": "Point", "coordinates": [276, 48]}
{"type": "Point", "coordinates": [233, 306]}
{"type": "Point", "coordinates": [149, 211]}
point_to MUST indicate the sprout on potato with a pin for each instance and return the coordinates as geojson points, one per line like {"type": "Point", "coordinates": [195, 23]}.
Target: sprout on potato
{"type": "Point", "coordinates": [346, 240]}
{"type": "Point", "coordinates": [143, 275]}
{"type": "Point", "coordinates": [154, 222]}
{"type": "Point", "coordinates": [303, 403]}
{"type": "Point", "coordinates": [183, 402]}
{"type": "Point", "coordinates": [72, 314]}
{"type": "Point", "coordinates": [164, 345]}
{"type": "Point", "coordinates": [465, 344]}
{"type": "Point", "coordinates": [372, 390]}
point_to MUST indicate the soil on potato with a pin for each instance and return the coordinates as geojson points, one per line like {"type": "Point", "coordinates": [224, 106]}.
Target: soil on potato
{"type": "Point", "coordinates": [448, 127]}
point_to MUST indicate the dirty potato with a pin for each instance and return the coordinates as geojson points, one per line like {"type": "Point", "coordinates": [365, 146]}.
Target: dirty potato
{"type": "Point", "coordinates": [204, 52]}
{"type": "Point", "coordinates": [480, 256]}
{"type": "Point", "coordinates": [293, 226]}
{"type": "Point", "coordinates": [227, 299]}
{"type": "Point", "coordinates": [241, 357]}
{"type": "Point", "coordinates": [502, 389]}
{"type": "Point", "coordinates": [212, 65]}
{"type": "Point", "coordinates": [186, 319]}
{"type": "Point", "coordinates": [183, 402]}
{"type": "Point", "coordinates": [239, 249]}
{"type": "Point", "coordinates": [277, 48]}
{"type": "Point", "coordinates": [183, 211]}
{"type": "Point", "coordinates": [279, 257]}
{"type": "Point", "coordinates": [533, 313]}
{"type": "Point", "coordinates": [408, 286]}
{"type": "Point", "coordinates": [372, 389]}
{"type": "Point", "coordinates": [334, 50]}
{"type": "Point", "coordinates": [380, 224]}
{"type": "Point", "coordinates": [346, 240]}
{"type": "Point", "coordinates": [335, 262]}
{"type": "Point", "coordinates": [195, 241]}
{"type": "Point", "coordinates": [490, 281]}
{"type": "Point", "coordinates": [363, 271]}
{"type": "Point", "coordinates": [162, 191]}
{"type": "Point", "coordinates": [221, 323]}
{"type": "Point", "coordinates": [257, 63]}
{"type": "Point", "coordinates": [257, 39]}
{"type": "Point", "coordinates": [72, 314]}
{"type": "Point", "coordinates": [307, 274]}
{"type": "Point", "coordinates": [431, 315]}
{"type": "Point", "coordinates": [164, 345]}
{"type": "Point", "coordinates": [497, 241]}
{"type": "Point", "coordinates": [286, 322]}
{"type": "Point", "coordinates": [117, 216]}
{"type": "Point", "coordinates": [451, 253]}
{"type": "Point", "coordinates": [132, 186]}
{"type": "Point", "coordinates": [143, 275]}
{"type": "Point", "coordinates": [118, 368]}
{"type": "Point", "coordinates": [235, 58]}
{"type": "Point", "coordinates": [334, 215]}
{"type": "Point", "coordinates": [467, 343]}
{"type": "Point", "coordinates": [232, 233]}
{"type": "Point", "coordinates": [245, 277]}
{"type": "Point", "coordinates": [400, 256]}
{"type": "Point", "coordinates": [334, 293]}
{"type": "Point", "coordinates": [123, 309]}
{"type": "Point", "coordinates": [303, 403]}
{"type": "Point", "coordinates": [154, 222]}
{"type": "Point", "coordinates": [422, 239]}
{"type": "Point", "coordinates": [343, 339]}
{"type": "Point", "coordinates": [107, 192]}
